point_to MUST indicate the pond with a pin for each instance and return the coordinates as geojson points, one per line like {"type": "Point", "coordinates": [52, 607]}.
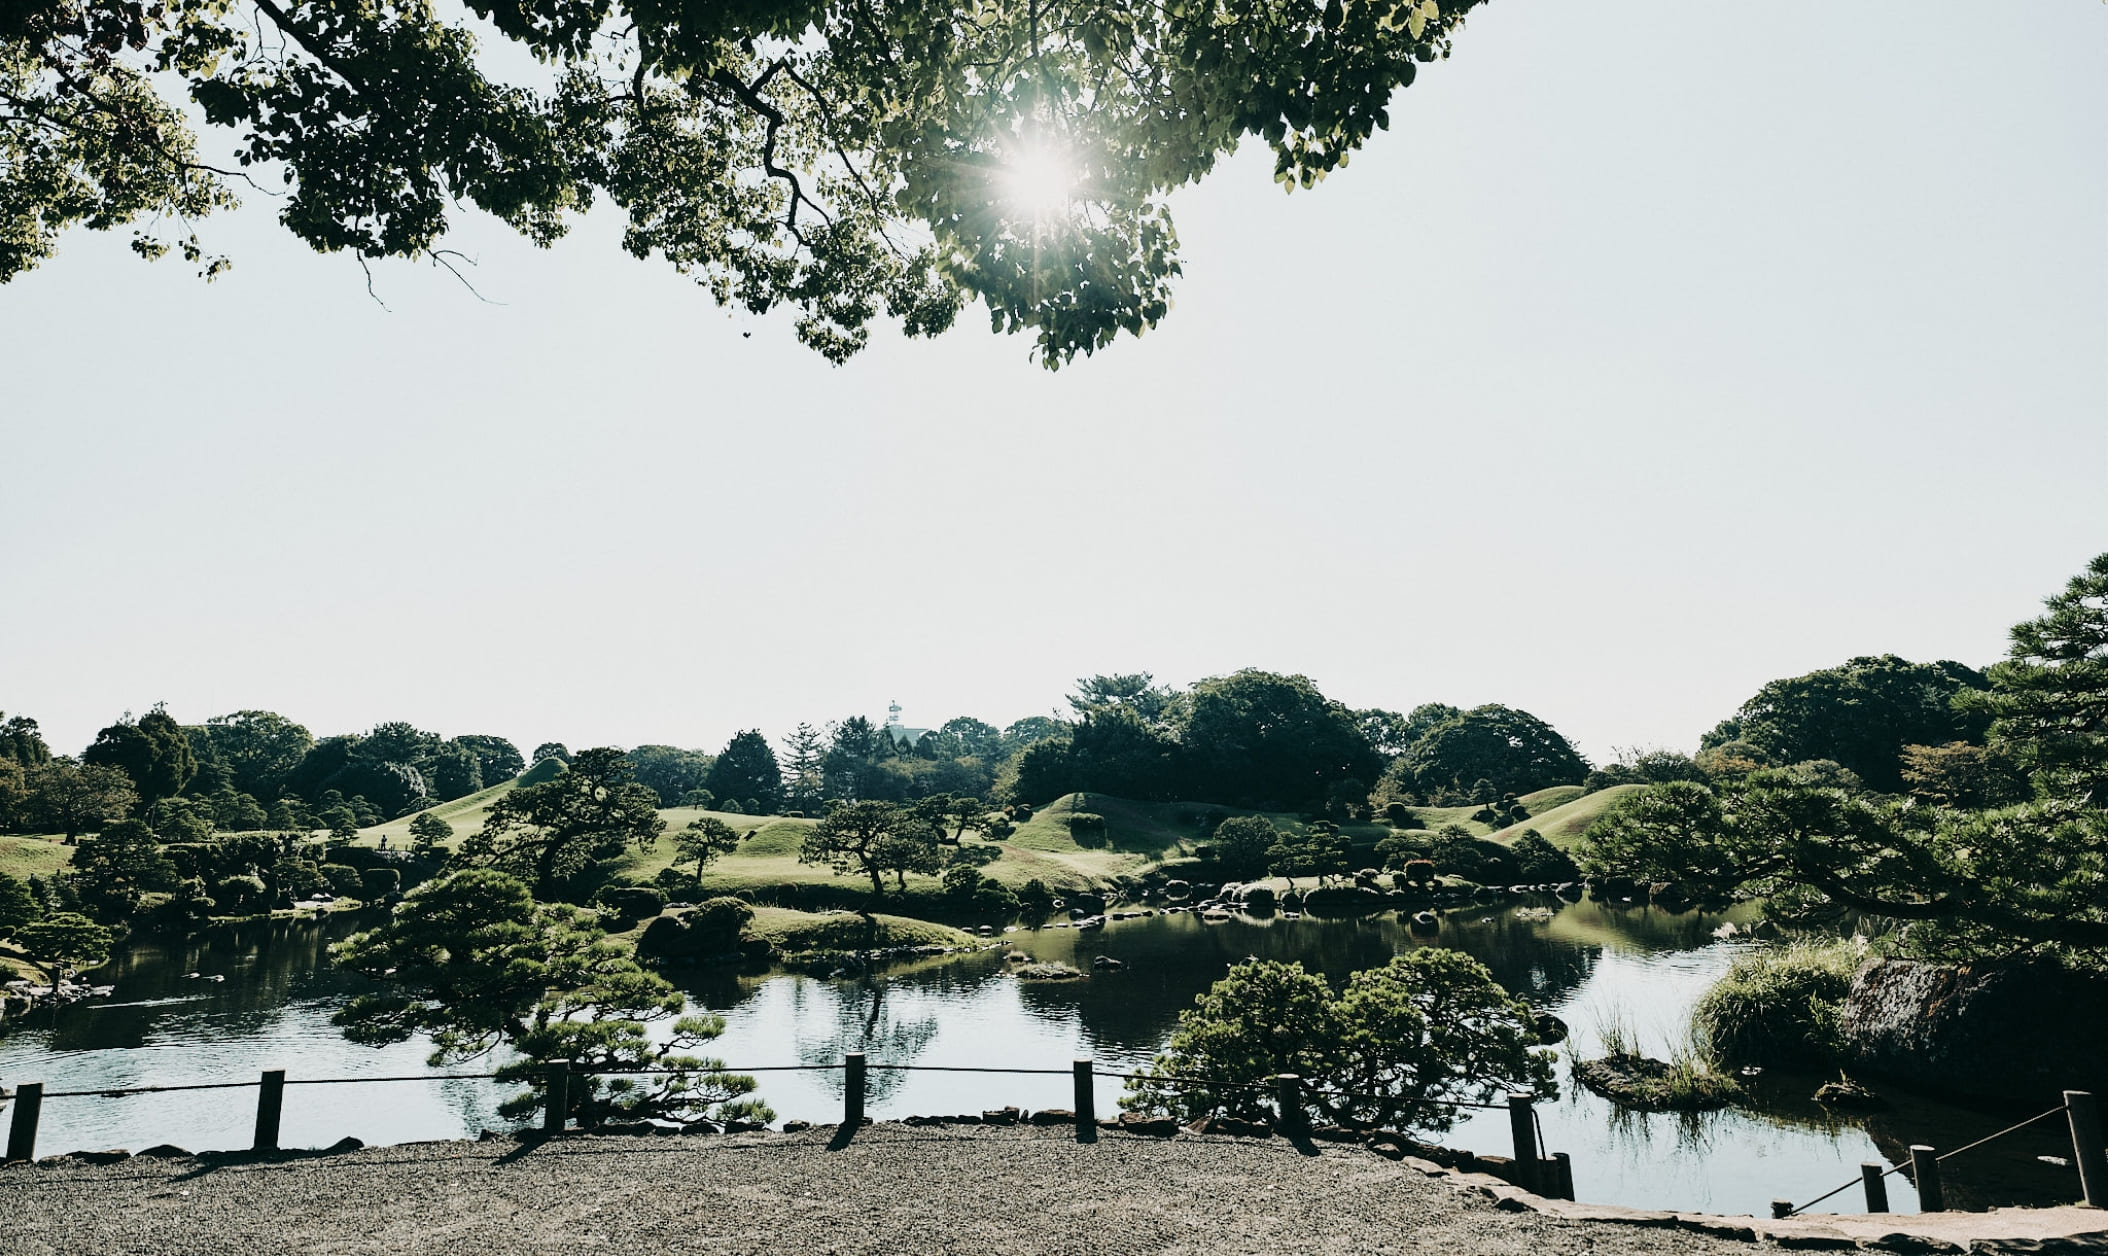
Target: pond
{"type": "Point", "coordinates": [1591, 963]}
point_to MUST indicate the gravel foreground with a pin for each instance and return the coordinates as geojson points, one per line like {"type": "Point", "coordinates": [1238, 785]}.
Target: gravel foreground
{"type": "Point", "coordinates": [960, 1190]}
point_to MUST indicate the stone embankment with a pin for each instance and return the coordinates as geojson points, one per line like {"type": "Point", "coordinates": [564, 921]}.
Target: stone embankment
{"type": "Point", "coordinates": [924, 1190]}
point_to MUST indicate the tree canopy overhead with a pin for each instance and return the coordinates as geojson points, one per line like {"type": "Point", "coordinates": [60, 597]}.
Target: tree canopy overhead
{"type": "Point", "coordinates": [844, 159]}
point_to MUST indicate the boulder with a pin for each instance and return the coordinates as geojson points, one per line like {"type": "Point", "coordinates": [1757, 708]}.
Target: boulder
{"type": "Point", "coordinates": [1053, 1116]}
{"type": "Point", "coordinates": [2023, 1031]}
{"type": "Point", "coordinates": [1846, 1094]}
{"type": "Point", "coordinates": [1154, 1126]}
{"type": "Point", "coordinates": [1001, 1116]}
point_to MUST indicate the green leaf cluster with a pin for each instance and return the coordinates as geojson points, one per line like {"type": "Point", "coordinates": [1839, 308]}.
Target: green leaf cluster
{"type": "Point", "coordinates": [848, 161]}
{"type": "Point", "coordinates": [471, 960]}
{"type": "Point", "coordinates": [1391, 1049]}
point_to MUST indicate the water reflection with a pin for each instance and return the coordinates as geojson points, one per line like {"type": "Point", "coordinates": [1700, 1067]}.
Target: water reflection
{"type": "Point", "coordinates": [1589, 962]}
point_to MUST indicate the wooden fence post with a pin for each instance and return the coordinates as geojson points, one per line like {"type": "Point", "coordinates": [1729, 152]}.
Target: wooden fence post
{"type": "Point", "coordinates": [556, 1107]}
{"type": "Point", "coordinates": [1521, 1123]}
{"type": "Point", "coordinates": [270, 1102]}
{"type": "Point", "coordinates": [2086, 1147]}
{"type": "Point", "coordinates": [22, 1130]}
{"type": "Point", "coordinates": [1288, 1099]}
{"type": "Point", "coordinates": [853, 1093]}
{"type": "Point", "coordinates": [1876, 1179]}
{"type": "Point", "coordinates": [1781, 1209]}
{"type": "Point", "coordinates": [1925, 1172]}
{"type": "Point", "coordinates": [1563, 1171]}
{"type": "Point", "coordinates": [1086, 1100]}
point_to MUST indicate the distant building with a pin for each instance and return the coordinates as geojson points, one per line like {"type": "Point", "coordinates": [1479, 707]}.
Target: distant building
{"type": "Point", "coordinates": [900, 733]}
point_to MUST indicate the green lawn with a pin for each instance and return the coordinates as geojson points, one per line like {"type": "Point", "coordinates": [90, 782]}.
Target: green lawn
{"type": "Point", "coordinates": [1139, 835]}
{"type": "Point", "coordinates": [24, 857]}
{"type": "Point", "coordinates": [465, 814]}
{"type": "Point", "coordinates": [1565, 824]}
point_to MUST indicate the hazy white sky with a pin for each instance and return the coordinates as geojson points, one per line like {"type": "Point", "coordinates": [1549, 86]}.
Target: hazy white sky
{"type": "Point", "coordinates": [1655, 352]}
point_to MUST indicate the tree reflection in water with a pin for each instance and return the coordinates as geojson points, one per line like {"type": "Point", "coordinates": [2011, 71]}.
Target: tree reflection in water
{"type": "Point", "coordinates": [836, 1018]}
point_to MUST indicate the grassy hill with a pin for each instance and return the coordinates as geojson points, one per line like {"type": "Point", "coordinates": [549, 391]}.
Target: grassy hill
{"type": "Point", "coordinates": [465, 814]}
{"type": "Point", "coordinates": [24, 857]}
{"type": "Point", "coordinates": [1138, 835]}
{"type": "Point", "coordinates": [1565, 823]}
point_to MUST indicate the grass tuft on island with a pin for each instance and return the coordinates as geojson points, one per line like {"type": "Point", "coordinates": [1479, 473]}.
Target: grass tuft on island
{"type": "Point", "coordinates": [1684, 1082]}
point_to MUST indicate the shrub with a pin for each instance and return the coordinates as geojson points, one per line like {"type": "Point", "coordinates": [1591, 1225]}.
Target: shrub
{"type": "Point", "coordinates": [297, 878]}
{"type": "Point", "coordinates": [632, 902]}
{"type": "Point", "coordinates": [1419, 871]}
{"type": "Point", "coordinates": [1391, 1049]}
{"type": "Point", "coordinates": [1022, 812]}
{"type": "Point", "coordinates": [994, 899]}
{"type": "Point", "coordinates": [1035, 899]}
{"type": "Point", "coordinates": [343, 880]}
{"type": "Point", "coordinates": [1537, 860]}
{"type": "Point", "coordinates": [241, 896]}
{"type": "Point", "coordinates": [1396, 852]}
{"type": "Point", "coordinates": [379, 882]}
{"type": "Point", "coordinates": [1087, 828]}
{"type": "Point", "coordinates": [721, 919]}
{"type": "Point", "coordinates": [677, 882]}
{"type": "Point", "coordinates": [1400, 816]}
{"type": "Point", "coordinates": [961, 880]}
{"type": "Point", "coordinates": [1241, 842]}
{"type": "Point", "coordinates": [1780, 1005]}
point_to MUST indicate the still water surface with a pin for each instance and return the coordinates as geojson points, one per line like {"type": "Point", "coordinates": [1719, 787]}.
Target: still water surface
{"type": "Point", "coordinates": [1591, 963]}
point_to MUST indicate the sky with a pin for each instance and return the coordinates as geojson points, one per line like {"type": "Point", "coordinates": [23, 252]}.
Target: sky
{"type": "Point", "coordinates": [1653, 353]}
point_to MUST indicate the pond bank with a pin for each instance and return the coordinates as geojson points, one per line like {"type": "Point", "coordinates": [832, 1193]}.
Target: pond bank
{"type": "Point", "coordinates": [893, 1189]}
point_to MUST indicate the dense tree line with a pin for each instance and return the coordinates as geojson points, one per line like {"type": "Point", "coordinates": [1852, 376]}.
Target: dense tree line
{"type": "Point", "coordinates": [1997, 849]}
{"type": "Point", "coordinates": [1261, 739]}
{"type": "Point", "coordinates": [247, 771]}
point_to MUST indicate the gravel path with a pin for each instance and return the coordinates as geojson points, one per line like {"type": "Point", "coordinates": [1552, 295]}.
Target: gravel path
{"type": "Point", "coordinates": [959, 1190]}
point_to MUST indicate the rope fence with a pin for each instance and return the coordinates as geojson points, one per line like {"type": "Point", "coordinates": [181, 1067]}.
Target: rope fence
{"type": "Point", "coordinates": [1290, 1099]}
{"type": "Point", "coordinates": [2088, 1154]}
{"type": "Point", "coordinates": [1291, 1103]}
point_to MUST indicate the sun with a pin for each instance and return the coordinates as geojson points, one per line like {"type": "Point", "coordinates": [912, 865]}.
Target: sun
{"type": "Point", "coordinates": [1040, 180]}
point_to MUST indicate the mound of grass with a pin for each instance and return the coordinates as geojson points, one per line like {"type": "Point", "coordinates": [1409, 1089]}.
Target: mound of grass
{"type": "Point", "coordinates": [546, 770]}
{"type": "Point", "coordinates": [777, 837]}
{"type": "Point", "coordinates": [1565, 823]}
{"type": "Point", "coordinates": [1780, 1005]}
{"type": "Point", "coordinates": [466, 814]}
{"type": "Point", "coordinates": [1549, 797]}
{"type": "Point", "coordinates": [793, 931]}
{"type": "Point", "coordinates": [1052, 971]}
{"type": "Point", "coordinates": [25, 857]}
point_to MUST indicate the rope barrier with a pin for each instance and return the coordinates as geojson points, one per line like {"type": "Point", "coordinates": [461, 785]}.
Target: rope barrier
{"type": "Point", "coordinates": [2056, 1111]}
{"type": "Point", "coordinates": [2043, 1116]}
{"type": "Point", "coordinates": [1163, 1078]}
